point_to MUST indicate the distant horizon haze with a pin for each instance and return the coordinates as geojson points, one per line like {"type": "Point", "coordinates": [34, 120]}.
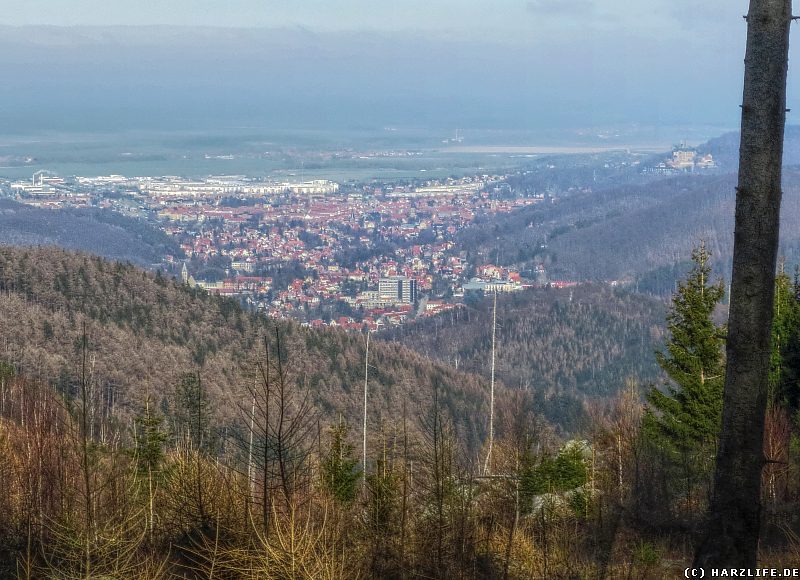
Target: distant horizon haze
{"type": "Point", "coordinates": [118, 78]}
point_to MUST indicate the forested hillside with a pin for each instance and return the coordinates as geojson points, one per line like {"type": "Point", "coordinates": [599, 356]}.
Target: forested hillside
{"type": "Point", "coordinates": [633, 233]}
{"type": "Point", "coordinates": [178, 436]}
{"type": "Point", "coordinates": [102, 232]}
{"type": "Point", "coordinates": [145, 333]}
{"type": "Point", "coordinates": [563, 345]}
{"type": "Point", "coordinates": [725, 148]}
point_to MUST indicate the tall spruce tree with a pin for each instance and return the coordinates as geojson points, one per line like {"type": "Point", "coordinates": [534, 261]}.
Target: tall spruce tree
{"type": "Point", "coordinates": [731, 537]}
{"type": "Point", "coordinates": [149, 440]}
{"type": "Point", "coordinates": [192, 413]}
{"type": "Point", "coordinates": [686, 416]}
{"type": "Point", "coordinates": [784, 371]}
{"type": "Point", "coordinates": [340, 472]}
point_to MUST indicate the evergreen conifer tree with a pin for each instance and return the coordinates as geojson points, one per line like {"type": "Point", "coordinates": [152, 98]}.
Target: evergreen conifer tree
{"type": "Point", "coordinates": [149, 439]}
{"type": "Point", "coordinates": [784, 371]}
{"type": "Point", "coordinates": [686, 417]}
{"type": "Point", "coordinates": [192, 413]}
{"type": "Point", "coordinates": [340, 473]}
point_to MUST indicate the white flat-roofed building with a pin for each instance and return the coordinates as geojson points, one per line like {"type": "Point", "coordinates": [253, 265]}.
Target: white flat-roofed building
{"type": "Point", "coordinates": [400, 289]}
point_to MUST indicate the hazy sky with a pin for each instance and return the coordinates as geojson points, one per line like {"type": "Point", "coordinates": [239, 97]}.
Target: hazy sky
{"type": "Point", "coordinates": [504, 63]}
{"type": "Point", "coordinates": [518, 18]}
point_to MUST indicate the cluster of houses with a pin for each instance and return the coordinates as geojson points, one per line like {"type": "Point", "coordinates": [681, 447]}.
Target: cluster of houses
{"type": "Point", "coordinates": [342, 242]}
{"type": "Point", "coordinates": [376, 248]}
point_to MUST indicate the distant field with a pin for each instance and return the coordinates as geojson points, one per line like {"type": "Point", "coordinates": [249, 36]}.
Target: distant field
{"type": "Point", "coordinates": [262, 152]}
{"type": "Point", "coordinates": [431, 166]}
{"type": "Point", "coordinates": [146, 159]}
{"type": "Point", "coordinates": [556, 150]}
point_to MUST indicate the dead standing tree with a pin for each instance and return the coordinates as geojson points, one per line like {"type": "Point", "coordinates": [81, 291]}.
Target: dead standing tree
{"type": "Point", "coordinates": [281, 419]}
{"type": "Point", "coordinates": [731, 537]}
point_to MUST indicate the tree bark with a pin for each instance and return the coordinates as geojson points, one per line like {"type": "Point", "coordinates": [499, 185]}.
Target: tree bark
{"type": "Point", "coordinates": [731, 535]}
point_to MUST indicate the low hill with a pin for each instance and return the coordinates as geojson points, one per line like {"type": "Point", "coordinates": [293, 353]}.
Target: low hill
{"type": "Point", "coordinates": [640, 230]}
{"type": "Point", "coordinates": [101, 232]}
{"type": "Point", "coordinates": [637, 233]}
{"type": "Point", "coordinates": [725, 148]}
{"type": "Point", "coordinates": [145, 332]}
{"type": "Point", "coordinates": [563, 345]}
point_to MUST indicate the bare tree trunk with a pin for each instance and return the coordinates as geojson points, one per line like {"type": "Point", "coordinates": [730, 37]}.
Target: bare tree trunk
{"type": "Point", "coordinates": [266, 500]}
{"type": "Point", "coordinates": [85, 460]}
{"type": "Point", "coordinates": [487, 467]}
{"type": "Point", "coordinates": [366, 386]}
{"type": "Point", "coordinates": [731, 537]}
{"type": "Point", "coordinates": [404, 505]}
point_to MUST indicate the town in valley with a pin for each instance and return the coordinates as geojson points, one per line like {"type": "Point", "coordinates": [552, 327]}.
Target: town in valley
{"type": "Point", "coordinates": [358, 255]}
